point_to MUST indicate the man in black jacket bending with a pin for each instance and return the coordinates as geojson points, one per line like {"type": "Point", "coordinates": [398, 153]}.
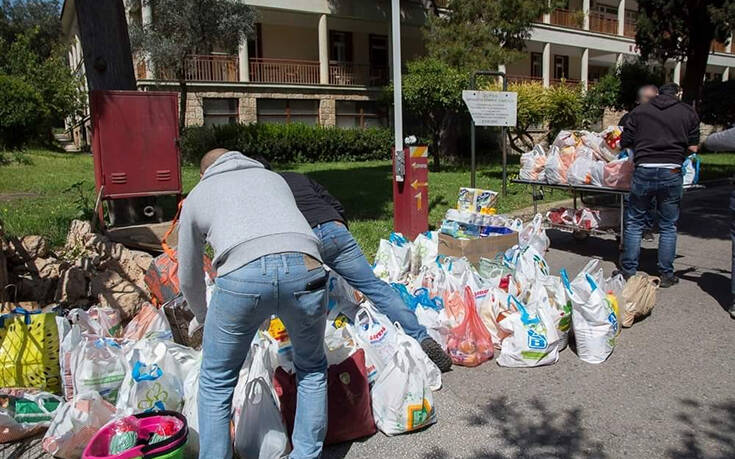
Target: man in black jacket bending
{"type": "Point", "coordinates": [661, 133]}
{"type": "Point", "coordinates": [342, 254]}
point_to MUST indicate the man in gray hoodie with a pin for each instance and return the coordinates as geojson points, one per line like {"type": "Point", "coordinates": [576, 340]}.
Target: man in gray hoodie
{"type": "Point", "coordinates": [268, 262]}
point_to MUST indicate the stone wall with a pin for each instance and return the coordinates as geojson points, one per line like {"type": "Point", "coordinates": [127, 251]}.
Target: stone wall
{"type": "Point", "coordinates": [248, 100]}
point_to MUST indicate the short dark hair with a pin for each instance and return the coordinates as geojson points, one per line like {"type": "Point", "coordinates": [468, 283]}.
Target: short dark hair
{"type": "Point", "coordinates": [669, 89]}
{"type": "Point", "coordinates": [262, 161]}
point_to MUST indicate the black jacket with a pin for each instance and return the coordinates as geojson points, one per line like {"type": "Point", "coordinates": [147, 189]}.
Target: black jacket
{"type": "Point", "coordinates": [313, 200]}
{"type": "Point", "coordinates": [661, 130]}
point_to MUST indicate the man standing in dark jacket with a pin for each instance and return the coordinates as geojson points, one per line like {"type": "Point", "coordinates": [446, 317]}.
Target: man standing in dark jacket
{"type": "Point", "coordinates": [342, 254]}
{"type": "Point", "coordinates": [661, 133]}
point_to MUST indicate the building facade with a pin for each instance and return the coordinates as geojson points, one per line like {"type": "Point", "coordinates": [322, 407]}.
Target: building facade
{"type": "Point", "coordinates": [325, 61]}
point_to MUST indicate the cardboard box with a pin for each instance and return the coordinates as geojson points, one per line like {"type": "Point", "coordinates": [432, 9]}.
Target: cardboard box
{"type": "Point", "coordinates": [474, 249]}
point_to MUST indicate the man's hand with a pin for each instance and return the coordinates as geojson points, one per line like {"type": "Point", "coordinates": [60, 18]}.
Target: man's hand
{"type": "Point", "coordinates": [194, 326]}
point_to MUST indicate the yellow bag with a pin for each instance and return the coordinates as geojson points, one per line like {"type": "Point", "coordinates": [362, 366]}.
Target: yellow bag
{"type": "Point", "coordinates": [29, 350]}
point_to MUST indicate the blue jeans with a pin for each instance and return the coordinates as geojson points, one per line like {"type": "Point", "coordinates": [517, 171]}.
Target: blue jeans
{"type": "Point", "coordinates": [341, 252]}
{"type": "Point", "coordinates": [241, 301]}
{"type": "Point", "coordinates": [665, 186]}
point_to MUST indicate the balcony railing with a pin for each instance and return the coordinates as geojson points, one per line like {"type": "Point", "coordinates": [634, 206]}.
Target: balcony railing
{"type": "Point", "coordinates": [604, 24]}
{"type": "Point", "coordinates": [212, 67]}
{"type": "Point", "coordinates": [349, 74]}
{"type": "Point", "coordinates": [288, 71]}
{"type": "Point", "coordinates": [567, 18]}
{"type": "Point", "coordinates": [629, 29]}
{"type": "Point", "coordinates": [718, 47]}
{"type": "Point", "coordinates": [564, 82]}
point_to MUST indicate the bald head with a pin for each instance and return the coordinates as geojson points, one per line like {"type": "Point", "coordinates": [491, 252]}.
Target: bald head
{"type": "Point", "coordinates": [210, 157]}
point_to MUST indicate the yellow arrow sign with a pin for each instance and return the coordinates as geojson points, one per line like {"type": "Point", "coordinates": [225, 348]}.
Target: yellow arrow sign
{"type": "Point", "coordinates": [416, 184]}
{"type": "Point", "coordinates": [418, 200]}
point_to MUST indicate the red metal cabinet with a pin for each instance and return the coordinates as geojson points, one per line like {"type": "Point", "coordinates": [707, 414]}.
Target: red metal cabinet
{"type": "Point", "coordinates": [134, 143]}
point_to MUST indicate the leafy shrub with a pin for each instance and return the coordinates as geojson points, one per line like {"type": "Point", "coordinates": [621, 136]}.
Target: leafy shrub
{"type": "Point", "coordinates": [283, 143]}
{"type": "Point", "coordinates": [21, 112]}
{"type": "Point", "coordinates": [632, 76]}
{"type": "Point", "coordinates": [718, 102]}
{"type": "Point", "coordinates": [601, 95]}
{"type": "Point", "coordinates": [564, 108]}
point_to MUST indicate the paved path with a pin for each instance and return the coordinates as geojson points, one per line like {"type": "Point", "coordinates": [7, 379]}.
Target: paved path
{"type": "Point", "coordinates": [668, 390]}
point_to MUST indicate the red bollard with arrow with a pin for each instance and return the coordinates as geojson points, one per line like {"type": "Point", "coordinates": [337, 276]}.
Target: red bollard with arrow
{"type": "Point", "coordinates": [411, 195]}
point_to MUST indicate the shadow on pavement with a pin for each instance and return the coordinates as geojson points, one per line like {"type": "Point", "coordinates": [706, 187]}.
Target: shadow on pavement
{"type": "Point", "coordinates": [708, 431]}
{"type": "Point", "coordinates": [715, 285]}
{"type": "Point", "coordinates": [705, 213]}
{"type": "Point", "coordinates": [28, 448]}
{"type": "Point", "coordinates": [534, 430]}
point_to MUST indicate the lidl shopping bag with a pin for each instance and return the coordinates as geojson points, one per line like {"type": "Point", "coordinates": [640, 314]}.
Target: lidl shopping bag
{"type": "Point", "coordinates": [533, 340]}
{"type": "Point", "coordinates": [75, 424]}
{"type": "Point", "coordinates": [393, 259]}
{"type": "Point", "coordinates": [561, 308]}
{"type": "Point", "coordinates": [593, 318]}
{"type": "Point", "coordinates": [401, 398]}
{"type": "Point", "coordinates": [98, 365]}
{"type": "Point", "coordinates": [534, 234]}
{"type": "Point", "coordinates": [470, 344]}
{"type": "Point", "coordinates": [29, 350]}
{"type": "Point", "coordinates": [426, 365]}
{"type": "Point", "coordinates": [349, 409]}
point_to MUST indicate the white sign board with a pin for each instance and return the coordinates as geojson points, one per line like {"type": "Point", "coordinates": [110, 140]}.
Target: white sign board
{"type": "Point", "coordinates": [492, 108]}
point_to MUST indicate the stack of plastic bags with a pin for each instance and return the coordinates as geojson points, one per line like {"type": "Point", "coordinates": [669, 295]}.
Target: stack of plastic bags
{"type": "Point", "coordinates": [580, 158]}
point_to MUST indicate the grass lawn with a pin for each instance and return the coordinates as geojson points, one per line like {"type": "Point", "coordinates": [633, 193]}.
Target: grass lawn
{"type": "Point", "coordinates": [35, 197]}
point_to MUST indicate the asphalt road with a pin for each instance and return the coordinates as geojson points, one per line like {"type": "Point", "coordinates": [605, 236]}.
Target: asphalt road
{"type": "Point", "coordinates": [667, 391]}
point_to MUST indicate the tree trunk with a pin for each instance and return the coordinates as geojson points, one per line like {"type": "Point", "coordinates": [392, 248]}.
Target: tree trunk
{"type": "Point", "coordinates": [183, 91]}
{"type": "Point", "coordinates": [436, 140]}
{"type": "Point", "coordinates": [701, 33]}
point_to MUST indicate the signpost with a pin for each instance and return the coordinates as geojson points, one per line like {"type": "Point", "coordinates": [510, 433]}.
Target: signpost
{"type": "Point", "coordinates": [411, 195]}
{"type": "Point", "coordinates": [491, 108]}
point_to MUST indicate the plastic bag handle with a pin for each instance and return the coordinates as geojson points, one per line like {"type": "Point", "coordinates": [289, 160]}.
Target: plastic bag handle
{"type": "Point", "coordinates": [164, 240]}
{"type": "Point", "coordinates": [154, 373]}
{"type": "Point", "coordinates": [591, 281]}
{"type": "Point", "coordinates": [37, 398]}
{"type": "Point", "coordinates": [525, 316]}
{"type": "Point", "coordinates": [565, 280]}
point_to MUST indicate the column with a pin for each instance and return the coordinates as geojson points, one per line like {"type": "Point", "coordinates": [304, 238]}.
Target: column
{"type": "Point", "coordinates": [677, 72]}
{"type": "Point", "coordinates": [243, 60]}
{"type": "Point", "coordinates": [546, 65]}
{"type": "Point", "coordinates": [585, 67]}
{"type": "Point", "coordinates": [619, 60]}
{"type": "Point", "coordinates": [146, 17]}
{"type": "Point", "coordinates": [586, 10]}
{"type": "Point", "coordinates": [621, 17]}
{"type": "Point", "coordinates": [726, 74]}
{"type": "Point", "coordinates": [546, 18]}
{"type": "Point", "coordinates": [728, 46]}
{"type": "Point", "coordinates": [501, 69]}
{"type": "Point", "coordinates": [323, 50]}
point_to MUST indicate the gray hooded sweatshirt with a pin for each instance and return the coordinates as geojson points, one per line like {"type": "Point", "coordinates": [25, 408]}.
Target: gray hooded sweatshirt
{"type": "Point", "coordinates": [244, 212]}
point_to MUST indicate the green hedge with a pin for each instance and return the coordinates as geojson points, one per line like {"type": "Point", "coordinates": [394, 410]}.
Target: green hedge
{"type": "Point", "coordinates": [289, 143]}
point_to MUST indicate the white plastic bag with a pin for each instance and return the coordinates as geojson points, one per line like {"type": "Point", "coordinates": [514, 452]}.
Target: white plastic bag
{"type": "Point", "coordinates": [424, 250]}
{"type": "Point", "coordinates": [98, 365]}
{"type": "Point", "coordinates": [531, 267]}
{"type": "Point", "coordinates": [491, 309]}
{"type": "Point", "coordinates": [377, 336]}
{"type": "Point", "coordinates": [534, 234]}
{"type": "Point", "coordinates": [191, 410]}
{"type": "Point", "coordinates": [580, 172]}
{"type": "Point", "coordinates": [393, 260]}
{"type": "Point", "coordinates": [425, 364]}
{"type": "Point", "coordinates": [533, 340]}
{"type": "Point", "coordinates": [75, 424]}
{"type": "Point", "coordinates": [593, 318]}
{"type": "Point", "coordinates": [532, 165]}
{"type": "Point", "coordinates": [562, 308]}
{"type": "Point", "coordinates": [15, 425]}
{"type": "Point", "coordinates": [149, 322]}
{"type": "Point", "coordinates": [437, 324]}
{"type": "Point", "coordinates": [155, 376]}
{"type": "Point", "coordinates": [261, 433]}
{"type": "Point", "coordinates": [401, 397]}
{"type": "Point", "coordinates": [258, 426]}
{"type": "Point", "coordinates": [554, 170]}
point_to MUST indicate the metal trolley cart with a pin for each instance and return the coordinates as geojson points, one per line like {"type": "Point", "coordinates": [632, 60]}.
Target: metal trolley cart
{"type": "Point", "coordinates": [590, 195]}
